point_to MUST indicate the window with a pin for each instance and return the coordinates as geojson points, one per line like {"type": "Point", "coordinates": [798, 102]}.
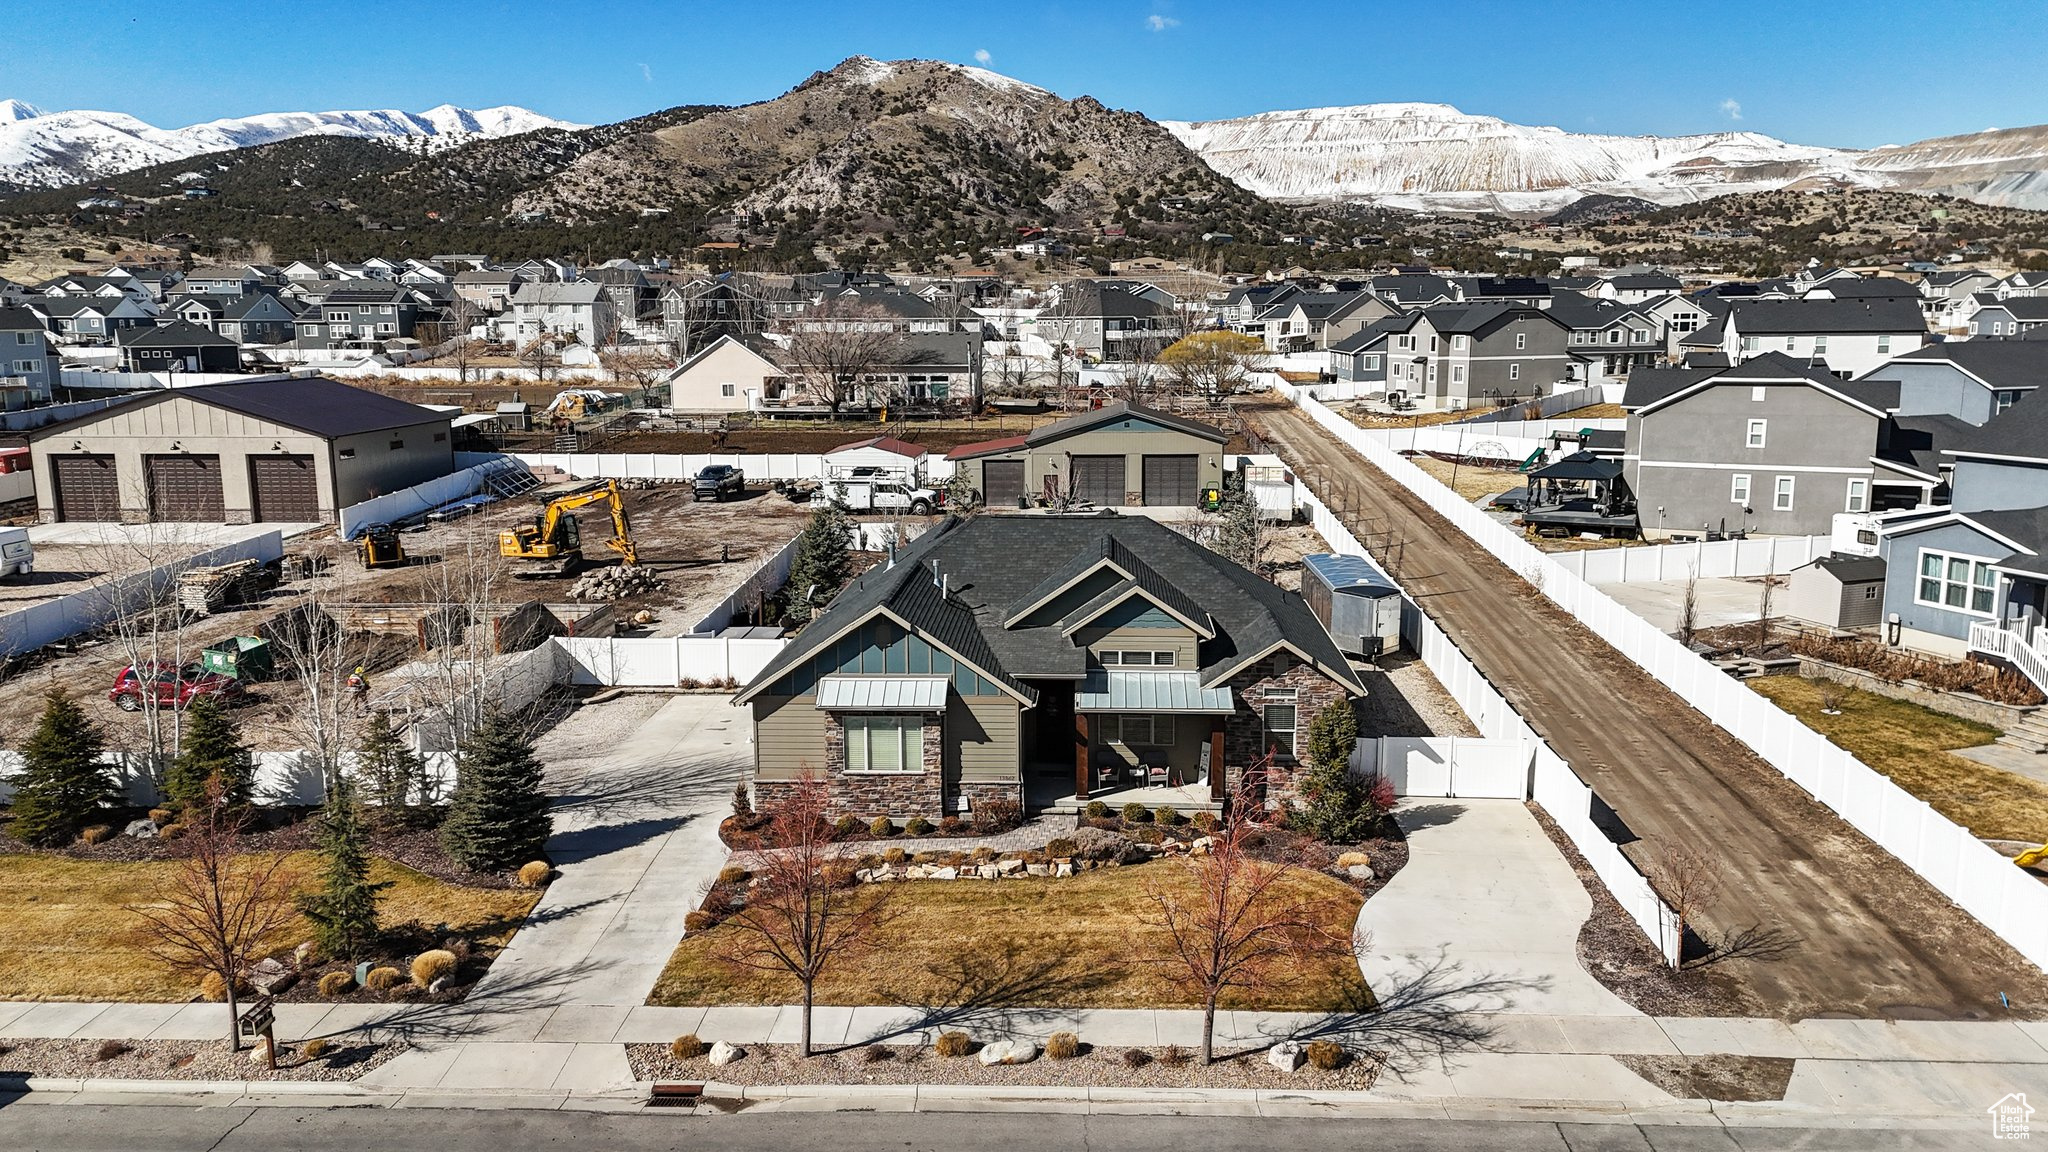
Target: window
{"type": "Point", "coordinates": [725, 390]}
{"type": "Point", "coordinates": [1614, 335]}
{"type": "Point", "coordinates": [347, 453]}
{"type": "Point", "coordinates": [1949, 581]}
{"type": "Point", "coordinates": [1757, 392]}
{"type": "Point", "coordinates": [1369, 363]}
{"type": "Point", "coordinates": [1781, 500]}
{"type": "Point", "coordinates": [1639, 335]}
{"type": "Point", "coordinates": [1521, 341]}
{"type": "Point", "coordinates": [1750, 344]}
{"type": "Point", "coordinates": [397, 444]}
{"type": "Point", "coordinates": [24, 367]}
{"type": "Point", "coordinates": [440, 436]}
{"type": "Point", "coordinates": [1756, 433]}
{"type": "Point", "coordinates": [1820, 345]}
{"type": "Point", "coordinates": [2003, 399]}
{"type": "Point", "coordinates": [1859, 496]}
{"type": "Point", "coordinates": [21, 338]}
{"type": "Point", "coordinates": [1738, 489]}
{"type": "Point", "coordinates": [884, 743]}
{"type": "Point", "coordinates": [1884, 344]}
{"type": "Point", "coordinates": [1791, 342]}
{"type": "Point", "coordinates": [1278, 716]}
{"type": "Point", "coordinates": [1514, 371]}
{"type": "Point", "coordinates": [1458, 374]}
{"type": "Point", "coordinates": [1154, 731]}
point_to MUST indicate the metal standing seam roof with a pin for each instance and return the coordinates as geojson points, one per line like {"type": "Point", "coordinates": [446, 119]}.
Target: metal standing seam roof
{"type": "Point", "coordinates": [1105, 691]}
{"type": "Point", "coordinates": [883, 693]}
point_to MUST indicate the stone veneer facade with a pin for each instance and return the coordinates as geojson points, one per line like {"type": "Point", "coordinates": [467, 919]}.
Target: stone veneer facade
{"type": "Point", "coordinates": [1244, 733]}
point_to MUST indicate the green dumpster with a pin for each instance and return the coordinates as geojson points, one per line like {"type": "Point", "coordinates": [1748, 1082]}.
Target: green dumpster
{"type": "Point", "coordinates": [243, 657]}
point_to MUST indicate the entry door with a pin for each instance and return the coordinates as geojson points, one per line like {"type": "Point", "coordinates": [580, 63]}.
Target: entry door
{"type": "Point", "coordinates": [1169, 481]}
{"type": "Point", "coordinates": [286, 488]}
{"type": "Point", "coordinates": [88, 490]}
{"type": "Point", "coordinates": [1002, 481]}
{"type": "Point", "coordinates": [186, 487]}
{"type": "Point", "coordinates": [1100, 479]}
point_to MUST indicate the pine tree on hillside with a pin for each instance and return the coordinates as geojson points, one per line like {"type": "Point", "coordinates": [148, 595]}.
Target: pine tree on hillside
{"type": "Point", "coordinates": [499, 817]}
{"type": "Point", "coordinates": [344, 910]}
{"type": "Point", "coordinates": [212, 746]}
{"type": "Point", "coordinates": [62, 782]}
{"type": "Point", "coordinates": [823, 562]}
{"type": "Point", "coordinates": [389, 770]}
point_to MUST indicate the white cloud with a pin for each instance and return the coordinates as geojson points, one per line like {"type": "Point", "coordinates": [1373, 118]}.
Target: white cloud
{"type": "Point", "coordinates": [1732, 107]}
{"type": "Point", "coordinates": [1159, 23]}
{"type": "Point", "coordinates": [647, 73]}
{"type": "Point", "coordinates": [982, 57]}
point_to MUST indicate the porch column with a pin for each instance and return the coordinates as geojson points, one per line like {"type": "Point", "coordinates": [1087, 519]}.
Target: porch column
{"type": "Point", "coordinates": [1080, 755]}
{"type": "Point", "coordinates": [1216, 769]}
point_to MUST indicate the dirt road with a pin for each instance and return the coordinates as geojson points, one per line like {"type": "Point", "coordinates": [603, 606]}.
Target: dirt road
{"type": "Point", "coordinates": [1836, 924]}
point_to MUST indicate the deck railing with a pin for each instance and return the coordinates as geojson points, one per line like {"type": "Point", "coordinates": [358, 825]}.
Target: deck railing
{"type": "Point", "coordinates": [2029, 654]}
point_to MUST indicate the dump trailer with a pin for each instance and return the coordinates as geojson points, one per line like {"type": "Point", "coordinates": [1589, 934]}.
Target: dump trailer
{"type": "Point", "coordinates": [553, 542]}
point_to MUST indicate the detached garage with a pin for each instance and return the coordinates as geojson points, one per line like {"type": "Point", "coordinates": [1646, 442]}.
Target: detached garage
{"type": "Point", "coordinates": [1120, 455]}
{"type": "Point", "coordinates": [275, 451]}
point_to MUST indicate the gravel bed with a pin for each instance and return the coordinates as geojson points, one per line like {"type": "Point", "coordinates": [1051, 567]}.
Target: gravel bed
{"type": "Point", "coordinates": [770, 1064]}
{"type": "Point", "coordinates": [1624, 961]}
{"type": "Point", "coordinates": [1722, 1077]}
{"type": "Point", "coordinates": [1403, 698]}
{"type": "Point", "coordinates": [186, 1060]}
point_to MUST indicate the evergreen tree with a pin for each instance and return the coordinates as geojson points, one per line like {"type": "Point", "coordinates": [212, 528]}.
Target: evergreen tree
{"type": "Point", "coordinates": [389, 770]}
{"type": "Point", "coordinates": [823, 562]}
{"type": "Point", "coordinates": [1241, 538]}
{"type": "Point", "coordinates": [344, 910]}
{"type": "Point", "coordinates": [1340, 806]}
{"type": "Point", "coordinates": [498, 817]}
{"type": "Point", "coordinates": [62, 782]}
{"type": "Point", "coordinates": [212, 747]}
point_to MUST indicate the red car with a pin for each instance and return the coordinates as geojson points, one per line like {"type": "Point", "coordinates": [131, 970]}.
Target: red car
{"type": "Point", "coordinates": [172, 686]}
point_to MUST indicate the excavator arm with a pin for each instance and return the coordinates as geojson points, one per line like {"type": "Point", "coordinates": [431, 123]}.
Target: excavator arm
{"type": "Point", "coordinates": [541, 541]}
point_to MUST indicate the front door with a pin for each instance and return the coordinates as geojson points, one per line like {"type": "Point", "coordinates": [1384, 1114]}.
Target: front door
{"type": "Point", "coordinates": [1053, 726]}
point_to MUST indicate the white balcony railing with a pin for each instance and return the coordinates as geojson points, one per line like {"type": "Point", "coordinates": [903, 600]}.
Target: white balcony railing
{"type": "Point", "coordinates": [2028, 654]}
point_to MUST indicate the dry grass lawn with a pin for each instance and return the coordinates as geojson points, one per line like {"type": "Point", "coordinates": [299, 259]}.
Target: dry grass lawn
{"type": "Point", "coordinates": [1911, 745]}
{"type": "Point", "coordinates": [1472, 483]}
{"type": "Point", "coordinates": [1071, 942]}
{"type": "Point", "coordinates": [67, 932]}
{"type": "Point", "coordinates": [1366, 418]}
{"type": "Point", "coordinates": [1593, 412]}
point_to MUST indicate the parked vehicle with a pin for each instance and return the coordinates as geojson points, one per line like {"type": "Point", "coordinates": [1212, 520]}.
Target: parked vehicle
{"type": "Point", "coordinates": [170, 685]}
{"type": "Point", "coordinates": [720, 482]}
{"type": "Point", "coordinates": [17, 555]}
{"type": "Point", "coordinates": [881, 496]}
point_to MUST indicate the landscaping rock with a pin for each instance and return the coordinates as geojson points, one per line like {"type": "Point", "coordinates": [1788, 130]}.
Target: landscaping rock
{"type": "Point", "coordinates": [270, 977]}
{"type": "Point", "coordinates": [260, 1053]}
{"type": "Point", "coordinates": [1360, 871]}
{"type": "Point", "coordinates": [988, 872]}
{"type": "Point", "coordinates": [1010, 867]}
{"type": "Point", "coordinates": [1064, 868]}
{"type": "Point", "coordinates": [302, 956]}
{"type": "Point", "coordinates": [723, 1053]}
{"type": "Point", "coordinates": [1038, 869]}
{"type": "Point", "coordinates": [944, 874]}
{"type": "Point", "coordinates": [144, 829]}
{"type": "Point", "coordinates": [440, 984]}
{"type": "Point", "coordinates": [1007, 1052]}
{"type": "Point", "coordinates": [1286, 1056]}
{"type": "Point", "coordinates": [1201, 844]}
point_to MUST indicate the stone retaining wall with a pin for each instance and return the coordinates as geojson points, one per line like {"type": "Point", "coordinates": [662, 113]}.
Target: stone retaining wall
{"type": "Point", "coordinates": [1959, 704]}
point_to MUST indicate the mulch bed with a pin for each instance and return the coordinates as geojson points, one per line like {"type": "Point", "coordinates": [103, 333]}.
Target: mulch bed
{"type": "Point", "coordinates": [772, 1064]}
{"type": "Point", "coordinates": [1627, 964]}
{"type": "Point", "coordinates": [1723, 1077]}
{"type": "Point", "coordinates": [186, 1060]}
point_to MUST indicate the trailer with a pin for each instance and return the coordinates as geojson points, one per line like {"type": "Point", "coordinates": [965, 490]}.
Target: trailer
{"type": "Point", "coordinates": [1357, 604]}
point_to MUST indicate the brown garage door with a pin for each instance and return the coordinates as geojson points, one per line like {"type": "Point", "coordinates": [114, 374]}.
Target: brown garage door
{"type": "Point", "coordinates": [87, 488]}
{"type": "Point", "coordinates": [286, 488]}
{"type": "Point", "coordinates": [1002, 481]}
{"type": "Point", "coordinates": [1169, 481]}
{"type": "Point", "coordinates": [186, 487]}
{"type": "Point", "coordinates": [1099, 478]}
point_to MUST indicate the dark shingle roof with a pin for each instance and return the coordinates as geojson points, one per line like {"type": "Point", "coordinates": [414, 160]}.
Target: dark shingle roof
{"type": "Point", "coordinates": [1999, 363]}
{"type": "Point", "coordinates": [1651, 384]}
{"type": "Point", "coordinates": [2021, 430]}
{"type": "Point", "coordinates": [313, 404]}
{"type": "Point", "coordinates": [176, 334]}
{"type": "Point", "coordinates": [1801, 317]}
{"type": "Point", "coordinates": [1916, 442]}
{"type": "Point", "coordinates": [1110, 413]}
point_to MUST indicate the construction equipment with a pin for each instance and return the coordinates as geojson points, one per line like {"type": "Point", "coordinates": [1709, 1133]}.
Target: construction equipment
{"type": "Point", "coordinates": [380, 547]}
{"type": "Point", "coordinates": [2032, 856]}
{"type": "Point", "coordinates": [554, 542]}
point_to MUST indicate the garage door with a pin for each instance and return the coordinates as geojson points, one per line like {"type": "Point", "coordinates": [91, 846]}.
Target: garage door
{"type": "Point", "coordinates": [1099, 478]}
{"type": "Point", "coordinates": [286, 488]}
{"type": "Point", "coordinates": [1169, 481]}
{"type": "Point", "coordinates": [1002, 481]}
{"type": "Point", "coordinates": [87, 488]}
{"type": "Point", "coordinates": [186, 488]}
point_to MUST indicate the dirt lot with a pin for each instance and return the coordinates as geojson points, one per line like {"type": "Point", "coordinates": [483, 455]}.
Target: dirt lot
{"type": "Point", "coordinates": [1836, 924]}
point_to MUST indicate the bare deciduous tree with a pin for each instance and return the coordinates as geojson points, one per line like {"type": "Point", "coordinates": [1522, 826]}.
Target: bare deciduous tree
{"type": "Point", "coordinates": [1688, 882]}
{"type": "Point", "coordinates": [1764, 597]}
{"type": "Point", "coordinates": [220, 910]}
{"type": "Point", "coordinates": [137, 595]}
{"type": "Point", "coordinates": [319, 655]}
{"type": "Point", "coordinates": [833, 348]}
{"type": "Point", "coordinates": [799, 918]}
{"type": "Point", "coordinates": [540, 355]}
{"type": "Point", "coordinates": [1233, 921]}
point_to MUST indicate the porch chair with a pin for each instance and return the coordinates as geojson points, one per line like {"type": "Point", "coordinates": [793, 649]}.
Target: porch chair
{"type": "Point", "coordinates": [1152, 762]}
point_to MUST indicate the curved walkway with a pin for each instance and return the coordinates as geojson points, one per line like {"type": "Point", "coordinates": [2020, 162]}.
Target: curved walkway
{"type": "Point", "coordinates": [1486, 902]}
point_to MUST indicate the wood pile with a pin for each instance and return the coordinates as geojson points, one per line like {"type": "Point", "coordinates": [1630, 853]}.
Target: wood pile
{"type": "Point", "coordinates": [202, 590]}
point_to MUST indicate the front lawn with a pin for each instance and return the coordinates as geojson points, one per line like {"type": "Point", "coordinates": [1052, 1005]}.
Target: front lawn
{"type": "Point", "coordinates": [1911, 745]}
{"type": "Point", "coordinates": [66, 931]}
{"type": "Point", "coordinates": [1067, 942]}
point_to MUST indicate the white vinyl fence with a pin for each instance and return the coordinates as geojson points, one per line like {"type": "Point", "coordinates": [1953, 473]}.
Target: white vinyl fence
{"type": "Point", "coordinates": [1550, 780]}
{"type": "Point", "coordinates": [2007, 900]}
{"type": "Point", "coordinates": [417, 500]}
{"type": "Point", "coordinates": [1447, 766]}
{"type": "Point", "coordinates": [762, 582]}
{"type": "Point", "coordinates": [1555, 404]}
{"type": "Point", "coordinates": [664, 662]}
{"type": "Point", "coordinates": [677, 466]}
{"type": "Point", "coordinates": [1776, 555]}
{"type": "Point", "coordinates": [29, 628]}
{"type": "Point", "coordinates": [282, 778]}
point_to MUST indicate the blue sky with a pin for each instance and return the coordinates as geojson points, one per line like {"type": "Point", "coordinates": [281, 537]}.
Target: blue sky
{"type": "Point", "coordinates": [1855, 75]}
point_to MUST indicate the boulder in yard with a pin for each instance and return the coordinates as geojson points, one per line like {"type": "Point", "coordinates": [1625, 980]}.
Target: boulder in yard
{"type": "Point", "coordinates": [140, 829]}
{"type": "Point", "coordinates": [1286, 1056]}
{"type": "Point", "coordinates": [723, 1053]}
{"type": "Point", "coordinates": [1007, 1052]}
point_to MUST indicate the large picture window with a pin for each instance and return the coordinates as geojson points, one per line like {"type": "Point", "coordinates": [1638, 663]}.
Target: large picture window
{"type": "Point", "coordinates": [884, 743]}
{"type": "Point", "coordinates": [1959, 582]}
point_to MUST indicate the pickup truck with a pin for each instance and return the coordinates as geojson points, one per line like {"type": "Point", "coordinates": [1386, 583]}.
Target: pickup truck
{"type": "Point", "coordinates": [880, 496]}
{"type": "Point", "coordinates": [719, 482]}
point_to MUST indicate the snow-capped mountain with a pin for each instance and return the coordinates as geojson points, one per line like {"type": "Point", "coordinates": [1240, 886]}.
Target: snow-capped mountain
{"type": "Point", "coordinates": [1434, 156]}
{"type": "Point", "coordinates": [46, 149]}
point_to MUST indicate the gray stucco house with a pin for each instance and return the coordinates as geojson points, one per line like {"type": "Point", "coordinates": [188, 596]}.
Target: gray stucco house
{"type": "Point", "coordinates": [1971, 380]}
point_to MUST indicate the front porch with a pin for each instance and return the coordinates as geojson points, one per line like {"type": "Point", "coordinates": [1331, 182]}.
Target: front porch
{"type": "Point", "coordinates": [1043, 794]}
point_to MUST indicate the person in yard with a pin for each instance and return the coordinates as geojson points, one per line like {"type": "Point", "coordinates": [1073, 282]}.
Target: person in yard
{"type": "Point", "coordinates": [359, 688]}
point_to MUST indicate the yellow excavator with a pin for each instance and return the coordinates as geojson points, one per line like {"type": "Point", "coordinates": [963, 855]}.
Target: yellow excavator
{"type": "Point", "coordinates": [553, 541]}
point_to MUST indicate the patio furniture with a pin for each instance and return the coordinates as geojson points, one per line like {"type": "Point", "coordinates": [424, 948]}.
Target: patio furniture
{"type": "Point", "coordinates": [1152, 767]}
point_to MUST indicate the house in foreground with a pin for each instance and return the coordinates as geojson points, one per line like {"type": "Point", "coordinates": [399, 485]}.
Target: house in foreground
{"type": "Point", "coordinates": [1046, 660]}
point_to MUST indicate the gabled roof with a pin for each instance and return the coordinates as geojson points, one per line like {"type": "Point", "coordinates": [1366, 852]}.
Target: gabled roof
{"type": "Point", "coordinates": [1647, 385]}
{"type": "Point", "coordinates": [1483, 319]}
{"type": "Point", "coordinates": [311, 404]}
{"type": "Point", "coordinates": [1121, 410]}
{"type": "Point", "coordinates": [544, 293]}
{"type": "Point", "coordinates": [2018, 433]}
{"type": "Point", "coordinates": [2024, 307]}
{"type": "Point", "coordinates": [1869, 288]}
{"type": "Point", "coordinates": [1993, 363]}
{"type": "Point", "coordinates": [1647, 282]}
{"type": "Point", "coordinates": [1109, 300]}
{"type": "Point", "coordinates": [1914, 444]}
{"type": "Point", "coordinates": [701, 354]}
{"type": "Point", "coordinates": [1374, 333]}
{"type": "Point", "coordinates": [884, 443]}
{"type": "Point", "coordinates": [1778, 368]}
{"type": "Point", "coordinates": [19, 320]}
{"type": "Point", "coordinates": [986, 447]}
{"type": "Point", "coordinates": [1825, 317]}
{"type": "Point", "coordinates": [176, 334]}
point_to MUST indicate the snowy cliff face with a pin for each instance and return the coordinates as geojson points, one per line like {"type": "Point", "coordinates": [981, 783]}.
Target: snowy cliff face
{"type": "Point", "coordinates": [47, 149]}
{"type": "Point", "coordinates": [1434, 156]}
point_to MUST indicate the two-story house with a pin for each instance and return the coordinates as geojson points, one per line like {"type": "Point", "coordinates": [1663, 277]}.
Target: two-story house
{"type": "Point", "coordinates": [576, 312]}
{"type": "Point", "coordinates": [1771, 445]}
{"type": "Point", "coordinates": [1971, 380]}
{"type": "Point", "coordinates": [2011, 316]}
{"type": "Point", "coordinates": [1106, 321]}
{"type": "Point", "coordinates": [1609, 337]}
{"type": "Point", "coordinates": [90, 319]}
{"type": "Point", "coordinates": [488, 290]}
{"type": "Point", "coordinates": [1850, 336]}
{"type": "Point", "coordinates": [259, 318]}
{"type": "Point", "coordinates": [1046, 661]}
{"type": "Point", "coordinates": [1638, 287]}
{"type": "Point", "coordinates": [28, 368]}
{"type": "Point", "coordinates": [361, 314]}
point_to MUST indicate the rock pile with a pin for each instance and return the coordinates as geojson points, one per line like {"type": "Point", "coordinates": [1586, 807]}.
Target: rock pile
{"type": "Point", "coordinates": [615, 582]}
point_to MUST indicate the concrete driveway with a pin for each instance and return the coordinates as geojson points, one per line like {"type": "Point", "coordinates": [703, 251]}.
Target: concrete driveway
{"type": "Point", "coordinates": [1722, 601]}
{"type": "Point", "coordinates": [1487, 914]}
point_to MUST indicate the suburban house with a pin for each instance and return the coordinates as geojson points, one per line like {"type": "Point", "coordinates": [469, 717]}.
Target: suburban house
{"type": "Point", "coordinates": [258, 318]}
{"type": "Point", "coordinates": [358, 314]}
{"type": "Point", "coordinates": [1120, 455]}
{"type": "Point", "coordinates": [1849, 336]}
{"type": "Point", "coordinates": [729, 374]}
{"type": "Point", "coordinates": [2011, 316]}
{"type": "Point", "coordinates": [1972, 380]}
{"type": "Point", "coordinates": [487, 289]}
{"type": "Point", "coordinates": [1461, 355]}
{"type": "Point", "coordinates": [296, 449]}
{"type": "Point", "coordinates": [1045, 661]}
{"type": "Point", "coordinates": [1945, 296]}
{"type": "Point", "coordinates": [90, 319]}
{"type": "Point", "coordinates": [1771, 446]}
{"type": "Point", "coordinates": [1298, 323]}
{"type": "Point", "coordinates": [179, 346]}
{"type": "Point", "coordinates": [1638, 287]}
{"type": "Point", "coordinates": [581, 312]}
{"type": "Point", "coordinates": [1610, 337]}
{"type": "Point", "coordinates": [222, 281]}
{"type": "Point", "coordinates": [926, 369]}
{"type": "Point", "coordinates": [28, 369]}
{"type": "Point", "coordinates": [1102, 319]}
